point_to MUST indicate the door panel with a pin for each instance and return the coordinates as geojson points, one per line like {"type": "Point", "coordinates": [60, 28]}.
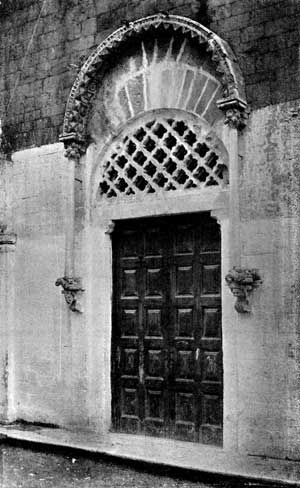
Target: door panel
{"type": "Point", "coordinates": [167, 373]}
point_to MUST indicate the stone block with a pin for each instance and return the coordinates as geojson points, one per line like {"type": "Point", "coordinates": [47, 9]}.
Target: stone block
{"type": "Point", "coordinates": [89, 27]}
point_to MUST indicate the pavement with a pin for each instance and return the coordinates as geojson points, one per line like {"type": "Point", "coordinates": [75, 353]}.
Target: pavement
{"type": "Point", "coordinates": [159, 452]}
{"type": "Point", "coordinates": [40, 466]}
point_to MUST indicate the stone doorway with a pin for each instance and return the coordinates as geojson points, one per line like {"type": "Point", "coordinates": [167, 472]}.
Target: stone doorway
{"type": "Point", "coordinates": [167, 373]}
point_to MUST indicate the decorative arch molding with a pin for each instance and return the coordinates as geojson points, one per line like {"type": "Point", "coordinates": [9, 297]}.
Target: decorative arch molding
{"type": "Point", "coordinates": [233, 102]}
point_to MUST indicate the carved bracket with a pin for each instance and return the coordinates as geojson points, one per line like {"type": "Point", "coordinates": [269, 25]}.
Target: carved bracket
{"type": "Point", "coordinates": [241, 282]}
{"type": "Point", "coordinates": [72, 290]}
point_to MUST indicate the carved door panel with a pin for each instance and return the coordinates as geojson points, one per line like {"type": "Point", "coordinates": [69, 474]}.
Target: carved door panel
{"type": "Point", "coordinates": [166, 343]}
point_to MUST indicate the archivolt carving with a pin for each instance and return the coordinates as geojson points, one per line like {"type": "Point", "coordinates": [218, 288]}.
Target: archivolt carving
{"type": "Point", "coordinates": [85, 86]}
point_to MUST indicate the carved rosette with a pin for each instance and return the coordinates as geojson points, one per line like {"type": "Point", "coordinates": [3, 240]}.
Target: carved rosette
{"type": "Point", "coordinates": [84, 89]}
{"type": "Point", "coordinates": [72, 290]}
{"type": "Point", "coordinates": [242, 282]}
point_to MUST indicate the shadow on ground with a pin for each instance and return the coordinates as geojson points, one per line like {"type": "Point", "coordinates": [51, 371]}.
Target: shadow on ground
{"type": "Point", "coordinates": [38, 466]}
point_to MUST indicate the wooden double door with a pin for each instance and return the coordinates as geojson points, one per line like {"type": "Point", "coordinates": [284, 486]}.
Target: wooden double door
{"type": "Point", "coordinates": [167, 375]}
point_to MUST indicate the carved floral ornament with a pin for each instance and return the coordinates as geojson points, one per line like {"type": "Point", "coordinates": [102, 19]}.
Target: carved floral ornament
{"type": "Point", "coordinates": [242, 282]}
{"type": "Point", "coordinates": [233, 103]}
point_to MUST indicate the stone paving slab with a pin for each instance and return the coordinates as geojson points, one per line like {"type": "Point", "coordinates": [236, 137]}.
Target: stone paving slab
{"type": "Point", "coordinates": [163, 452]}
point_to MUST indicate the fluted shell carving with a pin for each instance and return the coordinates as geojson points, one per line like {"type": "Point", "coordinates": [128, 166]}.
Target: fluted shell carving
{"type": "Point", "coordinates": [85, 85]}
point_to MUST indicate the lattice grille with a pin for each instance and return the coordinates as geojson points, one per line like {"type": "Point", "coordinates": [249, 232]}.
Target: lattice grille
{"type": "Point", "coordinates": [163, 154]}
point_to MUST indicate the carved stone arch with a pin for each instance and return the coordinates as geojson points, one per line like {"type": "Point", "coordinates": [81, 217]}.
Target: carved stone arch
{"type": "Point", "coordinates": [231, 101]}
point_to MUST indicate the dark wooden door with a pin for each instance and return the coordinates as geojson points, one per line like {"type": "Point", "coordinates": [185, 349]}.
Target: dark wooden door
{"type": "Point", "coordinates": [167, 376]}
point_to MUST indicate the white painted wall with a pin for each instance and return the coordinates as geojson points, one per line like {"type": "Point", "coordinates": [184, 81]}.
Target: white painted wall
{"type": "Point", "coordinates": [58, 355]}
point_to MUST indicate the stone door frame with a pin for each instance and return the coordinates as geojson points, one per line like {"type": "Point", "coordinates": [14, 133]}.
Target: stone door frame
{"type": "Point", "coordinates": [99, 311]}
{"type": "Point", "coordinates": [97, 274]}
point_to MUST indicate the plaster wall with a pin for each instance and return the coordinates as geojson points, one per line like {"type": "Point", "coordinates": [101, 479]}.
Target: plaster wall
{"type": "Point", "coordinates": [40, 202]}
{"type": "Point", "coordinates": [6, 283]}
{"type": "Point", "coordinates": [268, 340]}
{"type": "Point", "coordinates": [61, 362]}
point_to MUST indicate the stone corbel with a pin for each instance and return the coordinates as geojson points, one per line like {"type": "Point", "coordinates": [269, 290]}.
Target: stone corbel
{"type": "Point", "coordinates": [72, 290]}
{"type": "Point", "coordinates": [236, 112]}
{"type": "Point", "coordinates": [75, 147]}
{"type": "Point", "coordinates": [242, 282]}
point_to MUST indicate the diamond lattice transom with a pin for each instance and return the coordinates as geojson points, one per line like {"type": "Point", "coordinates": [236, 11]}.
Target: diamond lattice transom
{"type": "Point", "coordinates": [163, 154]}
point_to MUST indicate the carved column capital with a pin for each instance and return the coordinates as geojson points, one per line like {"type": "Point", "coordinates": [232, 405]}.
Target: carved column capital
{"type": "Point", "coordinates": [241, 282]}
{"type": "Point", "coordinates": [75, 150]}
{"type": "Point", "coordinates": [72, 290]}
{"type": "Point", "coordinates": [236, 112]}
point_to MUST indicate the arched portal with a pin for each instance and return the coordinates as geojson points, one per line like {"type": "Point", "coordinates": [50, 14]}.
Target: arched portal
{"type": "Point", "coordinates": [185, 36]}
{"type": "Point", "coordinates": [153, 120]}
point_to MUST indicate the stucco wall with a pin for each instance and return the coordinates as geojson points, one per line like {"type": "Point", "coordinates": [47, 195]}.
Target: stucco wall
{"type": "Point", "coordinates": [268, 341]}
{"type": "Point", "coordinates": [54, 349]}
{"type": "Point", "coordinates": [40, 196]}
{"type": "Point", "coordinates": [6, 280]}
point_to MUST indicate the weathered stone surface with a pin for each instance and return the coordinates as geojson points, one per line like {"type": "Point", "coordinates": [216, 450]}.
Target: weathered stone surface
{"type": "Point", "coordinates": [264, 36]}
{"type": "Point", "coordinates": [270, 177]}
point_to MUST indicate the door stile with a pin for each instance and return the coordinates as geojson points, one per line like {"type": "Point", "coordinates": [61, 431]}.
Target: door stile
{"type": "Point", "coordinates": [170, 329]}
{"type": "Point", "coordinates": [155, 343]}
{"type": "Point", "coordinates": [115, 345]}
{"type": "Point", "coordinates": [211, 385]}
{"type": "Point", "coordinates": [197, 329]}
{"type": "Point", "coordinates": [141, 352]}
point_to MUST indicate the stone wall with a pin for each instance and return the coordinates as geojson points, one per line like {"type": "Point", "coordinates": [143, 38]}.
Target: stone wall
{"type": "Point", "coordinates": [44, 43]}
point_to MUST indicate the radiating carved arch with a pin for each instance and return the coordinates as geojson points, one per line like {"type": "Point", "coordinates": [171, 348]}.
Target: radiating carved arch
{"type": "Point", "coordinates": [233, 102]}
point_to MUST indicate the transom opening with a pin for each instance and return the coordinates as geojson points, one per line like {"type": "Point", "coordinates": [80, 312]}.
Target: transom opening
{"type": "Point", "coordinates": [163, 154]}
